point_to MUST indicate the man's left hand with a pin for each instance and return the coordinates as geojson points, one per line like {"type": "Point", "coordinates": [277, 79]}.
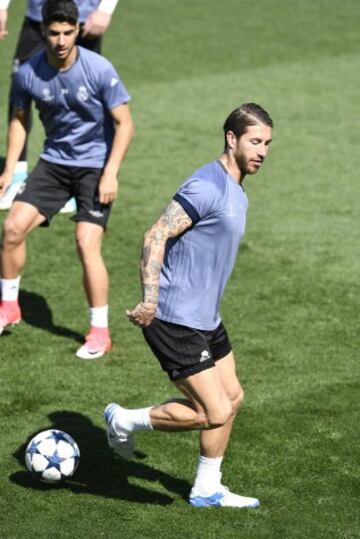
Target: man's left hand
{"type": "Point", "coordinates": [108, 188]}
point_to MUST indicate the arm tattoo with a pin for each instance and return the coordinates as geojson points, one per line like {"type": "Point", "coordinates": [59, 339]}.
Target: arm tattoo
{"type": "Point", "coordinates": [173, 221]}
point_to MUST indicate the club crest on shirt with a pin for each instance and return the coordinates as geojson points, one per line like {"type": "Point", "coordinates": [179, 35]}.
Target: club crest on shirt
{"type": "Point", "coordinates": [83, 93]}
{"type": "Point", "coordinates": [47, 95]}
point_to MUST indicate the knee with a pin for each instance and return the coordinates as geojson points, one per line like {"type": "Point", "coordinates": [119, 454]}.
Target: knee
{"type": "Point", "coordinates": [13, 233]}
{"type": "Point", "coordinates": [218, 416]}
{"type": "Point", "coordinates": [87, 247]}
{"type": "Point", "coordinates": [237, 399]}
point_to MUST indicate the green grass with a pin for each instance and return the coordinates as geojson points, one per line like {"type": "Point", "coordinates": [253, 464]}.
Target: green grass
{"type": "Point", "coordinates": [291, 306]}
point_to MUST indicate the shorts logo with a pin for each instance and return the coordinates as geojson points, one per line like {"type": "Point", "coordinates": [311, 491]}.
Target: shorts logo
{"type": "Point", "coordinates": [83, 93]}
{"type": "Point", "coordinates": [47, 96]}
{"type": "Point", "coordinates": [204, 356]}
{"type": "Point", "coordinates": [21, 188]}
{"type": "Point", "coordinates": [113, 82]}
{"type": "Point", "coordinates": [96, 213]}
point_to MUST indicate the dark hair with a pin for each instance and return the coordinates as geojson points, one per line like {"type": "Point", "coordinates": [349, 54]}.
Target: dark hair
{"type": "Point", "coordinates": [242, 117]}
{"type": "Point", "coordinates": [60, 11]}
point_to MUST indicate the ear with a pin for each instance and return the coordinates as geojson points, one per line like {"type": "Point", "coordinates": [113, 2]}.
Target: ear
{"type": "Point", "coordinates": [77, 31]}
{"type": "Point", "coordinates": [231, 140]}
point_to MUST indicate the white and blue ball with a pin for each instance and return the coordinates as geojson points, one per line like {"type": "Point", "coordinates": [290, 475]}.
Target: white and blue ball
{"type": "Point", "coordinates": [52, 456]}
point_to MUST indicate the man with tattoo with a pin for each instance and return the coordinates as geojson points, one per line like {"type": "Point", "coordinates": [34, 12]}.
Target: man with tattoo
{"type": "Point", "coordinates": [188, 256]}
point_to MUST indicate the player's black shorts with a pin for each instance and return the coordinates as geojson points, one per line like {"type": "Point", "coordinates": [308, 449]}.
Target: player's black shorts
{"type": "Point", "coordinates": [49, 186]}
{"type": "Point", "coordinates": [183, 351]}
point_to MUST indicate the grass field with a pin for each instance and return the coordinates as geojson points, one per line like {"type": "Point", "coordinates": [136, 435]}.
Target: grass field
{"type": "Point", "coordinates": [291, 306]}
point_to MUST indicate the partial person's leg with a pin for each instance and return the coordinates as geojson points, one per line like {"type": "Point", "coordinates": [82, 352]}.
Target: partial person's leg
{"type": "Point", "coordinates": [214, 443]}
{"type": "Point", "coordinates": [207, 407]}
{"type": "Point", "coordinates": [30, 42]}
{"type": "Point", "coordinates": [96, 285]}
{"type": "Point", "coordinates": [22, 219]}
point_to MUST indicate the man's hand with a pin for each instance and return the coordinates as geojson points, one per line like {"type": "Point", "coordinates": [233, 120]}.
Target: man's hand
{"type": "Point", "coordinates": [108, 188]}
{"type": "Point", "coordinates": [5, 181]}
{"type": "Point", "coordinates": [96, 24]}
{"type": "Point", "coordinates": [142, 315]}
{"type": "Point", "coordinates": [3, 19]}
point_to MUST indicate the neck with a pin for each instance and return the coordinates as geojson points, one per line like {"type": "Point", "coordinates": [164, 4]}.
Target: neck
{"type": "Point", "coordinates": [60, 64]}
{"type": "Point", "coordinates": [232, 168]}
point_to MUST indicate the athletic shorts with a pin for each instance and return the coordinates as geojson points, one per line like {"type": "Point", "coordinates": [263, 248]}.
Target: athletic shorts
{"type": "Point", "coordinates": [49, 186]}
{"type": "Point", "coordinates": [183, 351]}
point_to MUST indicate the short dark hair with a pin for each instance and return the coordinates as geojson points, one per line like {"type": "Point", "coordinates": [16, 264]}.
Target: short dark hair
{"type": "Point", "coordinates": [60, 11]}
{"type": "Point", "coordinates": [242, 117]}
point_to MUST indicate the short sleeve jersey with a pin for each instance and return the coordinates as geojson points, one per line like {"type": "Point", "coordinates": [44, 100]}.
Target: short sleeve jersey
{"type": "Point", "coordinates": [85, 7]}
{"type": "Point", "coordinates": [198, 263]}
{"type": "Point", "coordinates": [74, 106]}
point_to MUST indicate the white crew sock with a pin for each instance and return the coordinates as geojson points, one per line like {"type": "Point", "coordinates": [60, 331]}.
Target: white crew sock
{"type": "Point", "coordinates": [10, 289]}
{"type": "Point", "coordinates": [99, 316]}
{"type": "Point", "coordinates": [134, 420]}
{"type": "Point", "coordinates": [208, 475]}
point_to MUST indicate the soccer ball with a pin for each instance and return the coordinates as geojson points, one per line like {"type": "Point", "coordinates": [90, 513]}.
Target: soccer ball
{"type": "Point", "coordinates": [52, 456]}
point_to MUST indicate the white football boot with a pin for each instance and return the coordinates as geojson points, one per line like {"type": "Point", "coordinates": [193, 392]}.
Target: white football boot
{"type": "Point", "coordinates": [119, 438]}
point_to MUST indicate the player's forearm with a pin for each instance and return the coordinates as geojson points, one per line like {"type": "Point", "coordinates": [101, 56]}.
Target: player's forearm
{"type": "Point", "coordinates": [150, 265]}
{"type": "Point", "coordinates": [123, 134]}
{"type": "Point", "coordinates": [15, 142]}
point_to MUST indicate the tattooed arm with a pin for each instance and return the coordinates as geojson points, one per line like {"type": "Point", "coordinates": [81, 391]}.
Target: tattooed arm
{"type": "Point", "coordinates": [172, 222]}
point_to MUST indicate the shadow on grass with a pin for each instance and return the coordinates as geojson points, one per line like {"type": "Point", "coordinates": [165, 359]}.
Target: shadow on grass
{"type": "Point", "coordinates": [36, 312]}
{"type": "Point", "coordinates": [101, 473]}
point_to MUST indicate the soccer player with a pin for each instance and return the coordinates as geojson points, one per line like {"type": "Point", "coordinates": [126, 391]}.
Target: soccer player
{"type": "Point", "coordinates": [83, 106]}
{"type": "Point", "coordinates": [94, 17]}
{"type": "Point", "coordinates": [187, 258]}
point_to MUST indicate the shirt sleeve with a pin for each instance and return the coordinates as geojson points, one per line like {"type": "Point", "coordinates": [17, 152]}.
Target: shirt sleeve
{"type": "Point", "coordinates": [20, 97]}
{"type": "Point", "coordinates": [113, 90]}
{"type": "Point", "coordinates": [197, 197]}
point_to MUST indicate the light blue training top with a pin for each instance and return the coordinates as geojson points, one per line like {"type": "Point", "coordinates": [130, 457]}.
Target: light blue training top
{"type": "Point", "coordinates": [198, 263]}
{"type": "Point", "coordinates": [85, 7]}
{"type": "Point", "coordinates": [73, 106]}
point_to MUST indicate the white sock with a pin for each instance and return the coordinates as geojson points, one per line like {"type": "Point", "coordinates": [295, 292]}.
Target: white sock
{"type": "Point", "coordinates": [99, 316]}
{"type": "Point", "coordinates": [135, 420]}
{"type": "Point", "coordinates": [208, 475]}
{"type": "Point", "coordinates": [10, 289]}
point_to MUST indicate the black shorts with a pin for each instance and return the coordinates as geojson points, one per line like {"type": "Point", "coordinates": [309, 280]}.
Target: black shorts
{"type": "Point", "coordinates": [49, 186]}
{"type": "Point", "coordinates": [183, 351]}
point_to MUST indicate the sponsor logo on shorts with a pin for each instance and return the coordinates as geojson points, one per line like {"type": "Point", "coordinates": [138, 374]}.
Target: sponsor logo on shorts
{"type": "Point", "coordinates": [83, 93]}
{"type": "Point", "coordinates": [114, 82]}
{"type": "Point", "coordinates": [96, 213]}
{"type": "Point", "coordinates": [21, 188]}
{"type": "Point", "coordinates": [204, 356]}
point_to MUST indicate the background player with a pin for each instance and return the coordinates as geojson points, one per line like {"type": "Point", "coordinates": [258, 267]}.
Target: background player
{"type": "Point", "coordinates": [94, 18]}
{"type": "Point", "coordinates": [188, 256]}
{"type": "Point", "coordinates": [83, 107]}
